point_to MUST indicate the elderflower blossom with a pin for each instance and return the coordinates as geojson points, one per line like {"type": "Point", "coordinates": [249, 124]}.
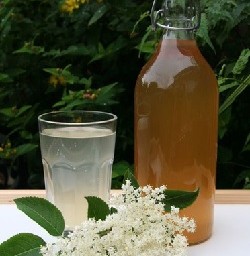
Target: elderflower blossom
{"type": "Point", "coordinates": [140, 227]}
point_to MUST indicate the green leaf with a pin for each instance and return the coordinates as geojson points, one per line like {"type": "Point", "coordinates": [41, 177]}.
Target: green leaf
{"type": "Point", "coordinates": [120, 168]}
{"type": "Point", "coordinates": [5, 78]}
{"type": "Point", "coordinates": [98, 14]}
{"type": "Point", "coordinates": [59, 104]}
{"type": "Point", "coordinates": [65, 73]}
{"type": "Point", "coordinates": [247, 144]}
{"type": "Point", "coordinates": [242, 177]}
{"type": "Point", "coordinates": [226, 83]}
{"type": "Point", "coordinates": [203, 32]}
{"type": "Point", "coordinates": [6, 18]}
{"type": "Point", "coordinates": [128, 175]}
{"type": "Point", "coordinates": [107, 93]}
{"type": "Point", "coordinates": [231, 98]}
{"type": "Point", "coordinates": [179, 199]}
{"type": "Point", "coordinates": [142, 17]}
{"type": "Point", "coordinates": [25, 148]}
{"type": "Point", "coordinates": [224, 121]}
{"type": "Point", "coordinates": [111, 49]}
{"type": "Point", "coordinates": [241, 62]}
{"type": "Point", "coordinates": [146, 45]}
{"type": "Point", "coordinates": [74, 104]}
{"type": "Point", "coordinates": [24, 244]}
{"type": "Point", "coordinates": [23, 109]}
{"type": "Point", "coordinates": [8, 112]}
{"type": "Point", "coordinates": [98, 209]}
{"type": "Point", "coordinates": [43, 212]}
{"type": "Point", "coordinates": [72, 50]}
{"type": "Point", "coordinates": [53, 52]}
{"type": "Point", "coordinates": [30, 48]}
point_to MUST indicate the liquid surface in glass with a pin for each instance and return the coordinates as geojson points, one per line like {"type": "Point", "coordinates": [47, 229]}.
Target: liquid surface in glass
{"type": "Point", "coordinates": [77, 163]}
{"type": "Point", "coordinates": [176, 102]}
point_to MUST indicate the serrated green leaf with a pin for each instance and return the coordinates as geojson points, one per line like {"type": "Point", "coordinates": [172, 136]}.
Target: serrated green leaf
{"type": "Point", "coordinates": [24, 244]}
{"type": "Point", "coordinates": [42, 212]}
{"type": "Point", "coordinates": [179, 199]}
{"type": "Point", "coordinates": [97, 208]}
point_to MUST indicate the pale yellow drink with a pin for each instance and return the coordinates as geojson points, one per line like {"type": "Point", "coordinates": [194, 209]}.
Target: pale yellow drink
{"type": "Point", "coordinates": [77, 163]}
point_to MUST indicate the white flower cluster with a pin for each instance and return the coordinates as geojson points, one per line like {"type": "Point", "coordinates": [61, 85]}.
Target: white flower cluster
{"type": "Point", "coordinates": [140, 227]}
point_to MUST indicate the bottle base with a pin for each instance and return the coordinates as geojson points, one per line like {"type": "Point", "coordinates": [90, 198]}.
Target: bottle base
{"type": "Point", "coordinates": [191, 243]}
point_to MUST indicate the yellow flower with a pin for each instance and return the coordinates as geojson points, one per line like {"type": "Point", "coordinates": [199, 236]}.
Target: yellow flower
{"type": "Point", "coordinates": [70, 5]}
{"type": "Point", "coordinates": [53, 80]}
{"type": "Point", "coordinates": [61, 80]}
{"type": "Point", "coordinates": [8, 145]}
{"type": "Point", "coordinates": [57, 80]}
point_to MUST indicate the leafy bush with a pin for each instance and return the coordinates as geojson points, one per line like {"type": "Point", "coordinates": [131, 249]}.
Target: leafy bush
{"type": "Point", "coordinates": [79, 54]}
{"type": "Point", "coordinates": [225, 30]}
{"type": "Point", "coordinates": [57, 57]}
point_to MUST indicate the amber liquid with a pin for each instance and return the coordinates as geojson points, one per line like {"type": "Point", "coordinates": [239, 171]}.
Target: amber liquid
{"type": "Point", "coordinates": [176, 112]}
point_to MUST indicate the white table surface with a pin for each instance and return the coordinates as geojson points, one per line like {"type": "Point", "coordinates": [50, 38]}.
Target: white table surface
{"type": "Point", "coordinates": [231, 236]}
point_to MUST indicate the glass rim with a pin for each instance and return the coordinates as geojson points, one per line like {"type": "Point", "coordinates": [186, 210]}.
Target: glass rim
{"type": "Point", "coordinates": [112, 118]}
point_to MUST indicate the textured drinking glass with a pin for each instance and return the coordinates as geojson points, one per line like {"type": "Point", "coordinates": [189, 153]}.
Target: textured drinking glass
{"type": "Point", "coordinates": [77, 154]}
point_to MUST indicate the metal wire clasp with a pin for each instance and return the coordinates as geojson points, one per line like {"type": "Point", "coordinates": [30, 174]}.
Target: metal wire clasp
{"type": "Point", "coordinates": [190, 20]}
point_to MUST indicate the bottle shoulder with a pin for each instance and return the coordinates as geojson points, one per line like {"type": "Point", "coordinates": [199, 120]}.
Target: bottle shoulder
{"type": "Point", "coordinates": [172, 59]}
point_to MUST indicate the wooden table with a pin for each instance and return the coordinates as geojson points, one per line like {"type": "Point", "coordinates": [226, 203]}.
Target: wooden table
{"type": "Point", "coordinates": [221, 196]}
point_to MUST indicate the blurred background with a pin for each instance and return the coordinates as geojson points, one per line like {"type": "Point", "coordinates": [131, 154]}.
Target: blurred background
{"type": "Point", "coordinates": [87, 54]}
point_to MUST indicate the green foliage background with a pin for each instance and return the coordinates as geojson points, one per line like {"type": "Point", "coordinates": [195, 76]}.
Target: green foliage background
{"type": "Point", "coordinates": [90, 58]}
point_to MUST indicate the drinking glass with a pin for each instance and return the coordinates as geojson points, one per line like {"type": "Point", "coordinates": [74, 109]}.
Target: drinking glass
{"type": "Point", "coordinates": [77, 150]}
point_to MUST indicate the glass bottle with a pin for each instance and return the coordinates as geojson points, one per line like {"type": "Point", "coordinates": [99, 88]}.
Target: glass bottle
{"type": "Point", "coordinates": [176, 115]}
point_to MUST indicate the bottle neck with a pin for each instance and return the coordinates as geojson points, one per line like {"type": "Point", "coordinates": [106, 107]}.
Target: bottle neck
{"type": "Point", "coordinates": [179, 42]}
{"type": "Point", "coordinates": [179, 34]}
